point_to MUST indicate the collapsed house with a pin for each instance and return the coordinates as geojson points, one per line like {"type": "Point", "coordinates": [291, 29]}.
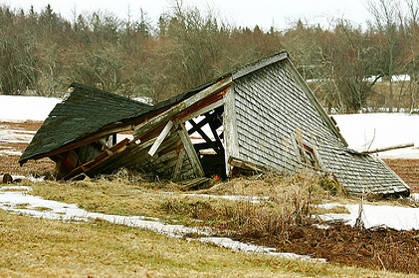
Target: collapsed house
{"type": "Point", "coordinates": [260, 117]}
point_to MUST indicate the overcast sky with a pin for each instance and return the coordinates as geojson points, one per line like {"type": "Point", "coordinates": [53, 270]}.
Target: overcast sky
{"type": "Point", "coordinates": [265, 13]}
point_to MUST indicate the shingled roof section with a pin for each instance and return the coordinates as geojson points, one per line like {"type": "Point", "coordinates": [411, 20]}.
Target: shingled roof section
{"type": "Point", "coordinates": [84, 112]}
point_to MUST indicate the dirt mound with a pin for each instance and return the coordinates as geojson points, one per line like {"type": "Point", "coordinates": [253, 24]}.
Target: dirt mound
{"type": "Point", "coordinates": [377, 249]}
{"type": "Point", "coordinates": [408, 170]}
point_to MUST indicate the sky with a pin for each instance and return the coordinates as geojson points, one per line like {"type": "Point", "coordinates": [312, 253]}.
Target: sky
{"type": "Point", "coordinates": [264, 13]}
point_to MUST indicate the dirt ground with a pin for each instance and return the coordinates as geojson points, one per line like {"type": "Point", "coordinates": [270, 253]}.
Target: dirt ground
{"type": "Point", "coordinates": [408, 170]}
{"type": "Point", "coordinates": [383, 249]}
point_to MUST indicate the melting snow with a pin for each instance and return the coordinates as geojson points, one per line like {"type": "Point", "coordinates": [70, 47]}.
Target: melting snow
{"type": "Point", "coordinates": [16, 136]}
{"type": "Point", "coordinates": [250, 248]}
{"type": "Point", "coordinates": [15, 199]}
{"type": "Point", "coordinates": [7, 152]}
{"type": "Point", "coordinates": [398, 218]}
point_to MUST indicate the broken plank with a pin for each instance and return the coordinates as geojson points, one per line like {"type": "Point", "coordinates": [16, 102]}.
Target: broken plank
{"type": "Point", "coordinates": [246, 165]}
{"type": "Point", "coordinates": [160, 138]}
{"type": "Point", "coordinates": [395, 147]}
{"type": "Point", "coordinates": [195, 183]}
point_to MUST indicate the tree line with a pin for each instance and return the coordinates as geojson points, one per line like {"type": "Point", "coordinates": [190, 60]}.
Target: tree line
{"type": "Point", "coordinates": [42, 53]}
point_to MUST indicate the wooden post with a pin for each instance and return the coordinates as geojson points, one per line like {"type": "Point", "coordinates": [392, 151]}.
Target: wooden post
{"type": "Point", "coordinates": [190, 151]}
{"type": "Point", "coordinates": [231, 144]}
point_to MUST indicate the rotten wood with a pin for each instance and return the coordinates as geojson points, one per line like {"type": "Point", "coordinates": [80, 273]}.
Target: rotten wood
{"type": "Point", "coordinates": [88, 166]}
{"type": "Point", "coordinates": [84, 141]}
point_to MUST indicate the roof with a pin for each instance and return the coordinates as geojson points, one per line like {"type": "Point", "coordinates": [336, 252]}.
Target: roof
{"type": "Point", "coordinates": [85, 111]}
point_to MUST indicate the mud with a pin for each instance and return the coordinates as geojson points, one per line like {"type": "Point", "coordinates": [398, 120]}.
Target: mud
{"type": "Point", "coordinates": [384, 249]}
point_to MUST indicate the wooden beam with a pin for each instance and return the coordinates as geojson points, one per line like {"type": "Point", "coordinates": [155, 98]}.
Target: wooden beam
{"type": "Point", "coordinates": [84, 141]}
{"type": "Point", "coordinates": [378, 150]}
{"type": "Point", "coordinates": [190, 151]}
{"type": "Point", "coordinates": [204, 110]}
{"type": "Point", "coordinates": [205, 137]}
{"type": "Point", "coordinates": [99, 159]}
{"type": "Point", "coordinates": [247, 165]}
{"type": "Point", "coordinates": [230, 129]}
{"type": "Point", "coordinates": [160, 138]}
{"type": "Point", "coordinates": [149, 125]}
{"type": "Point", "coordinates": [206, 119]}
{"type": "Point", "coordinates": [213, 128]}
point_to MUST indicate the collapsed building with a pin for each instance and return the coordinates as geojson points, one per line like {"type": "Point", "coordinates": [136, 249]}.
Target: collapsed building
{"type": "Point", "coordinates": [260, 117]}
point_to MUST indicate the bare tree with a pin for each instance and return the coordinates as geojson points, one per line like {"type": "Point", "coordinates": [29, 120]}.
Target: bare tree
{"type": "Point", "coordinates": [386, 21]}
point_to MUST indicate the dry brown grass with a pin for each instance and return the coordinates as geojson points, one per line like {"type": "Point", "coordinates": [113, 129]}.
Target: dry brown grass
{"type": "Point", "coordinates": [33, 247]}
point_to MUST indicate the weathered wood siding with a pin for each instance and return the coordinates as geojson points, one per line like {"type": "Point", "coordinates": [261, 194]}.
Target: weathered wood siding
{"type": "Point", "coordinates": [273, 109]}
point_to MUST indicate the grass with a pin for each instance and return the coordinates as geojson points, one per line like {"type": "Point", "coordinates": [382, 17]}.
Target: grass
{"type": "Point", "coordinates": [34, 247]}
{"type": "Point", "coordinates": [269, 222]}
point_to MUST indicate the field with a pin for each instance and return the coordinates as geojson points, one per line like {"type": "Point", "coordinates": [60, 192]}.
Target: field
{"type": "Point", "coordinates": [340, 244]}
{"type": "Point", "coordinates": [97, 248]}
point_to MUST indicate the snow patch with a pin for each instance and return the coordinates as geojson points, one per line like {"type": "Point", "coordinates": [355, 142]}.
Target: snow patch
{"type": "Point", "coordinates": [250, 248]}
{"type": "Point", "coordinates": [377, 130]}
{"type": "Point", "coordinates": [16, 136]}
{"type": "Point", "coordinates": [8, 152]}
{"type": "Point", "coordinates": [14, 200]}
{"type": "Point", "coordinates": [26, 108]}
{"type": "Point", "coordinates": [398, 218]}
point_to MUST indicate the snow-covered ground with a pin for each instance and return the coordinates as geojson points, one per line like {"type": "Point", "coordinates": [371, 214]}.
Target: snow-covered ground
{"type": "Point", "coordinates": [378, 130]}
{"type": "Point", "coordinates": [398, 218]}
{"type": "Point", "coordinates": [24, 108]}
